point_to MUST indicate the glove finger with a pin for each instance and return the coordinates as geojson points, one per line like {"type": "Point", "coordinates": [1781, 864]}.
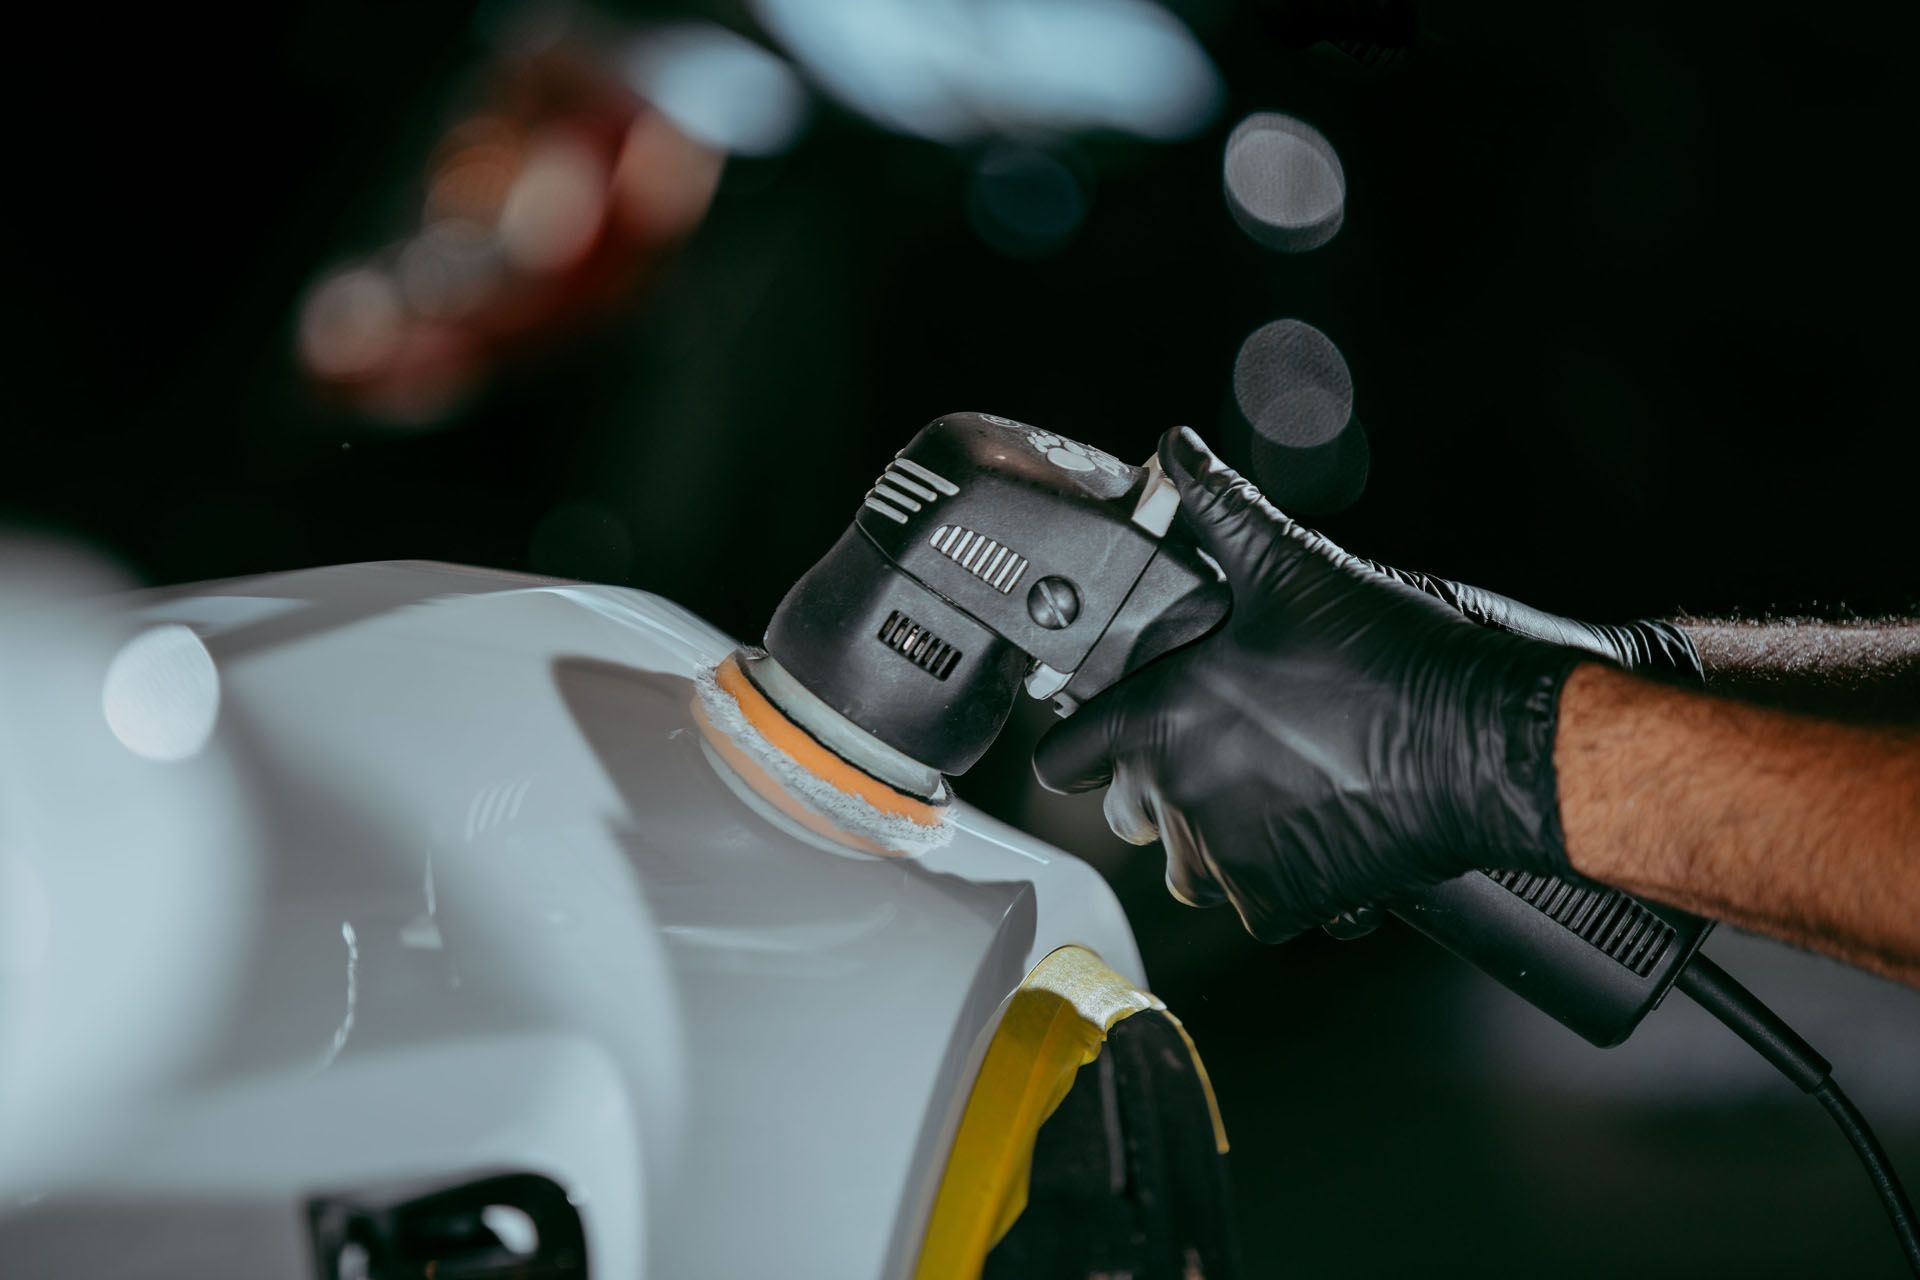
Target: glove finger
{"type": "Point", "coordinates": [1199, 879]}
{"type": "Point", "coordinates": [1230, 519]}
{"type": "Point", "coordinates": [1269, 929]}
{"type": "Point", "coordinates": [1356, 923]}
{"type": "Point", "coordinates": [1253, 541]}
{"type": "Point", "coordinates": [1130, 806]}
{"type": "Point", "coordinates": [1191, 885]}
{"type": "Point", "coordinates": [1077, 754]}
{"type": "Point", "coordinates": [1272, 897]}
{"type": "Point", "coordinates": [1192, 876]}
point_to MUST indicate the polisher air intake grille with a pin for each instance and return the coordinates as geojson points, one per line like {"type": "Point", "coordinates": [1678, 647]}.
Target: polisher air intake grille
{"type": "Point", "coordinates": [905, 488]}
{"type": "Point", "coordinates": [994, 563]}
{"type": "Point", "coordinates": [918, 645]}
{"type": "Point", "coordinates": [1611, 921]}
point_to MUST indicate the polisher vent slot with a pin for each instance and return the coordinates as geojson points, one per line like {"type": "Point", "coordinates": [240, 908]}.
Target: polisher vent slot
{"type": "Point", "coordinates": [994, 563]}
{"type": "Point", "coordinates": [905, 488]}
{"type": "Point", "coordinates": [1610, 920]}
{"type": "Point", "coordinates": [918, 645]}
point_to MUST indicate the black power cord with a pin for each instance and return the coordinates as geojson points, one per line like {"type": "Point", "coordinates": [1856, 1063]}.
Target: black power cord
{"type": "Point", "coordinates": [1716, 991]}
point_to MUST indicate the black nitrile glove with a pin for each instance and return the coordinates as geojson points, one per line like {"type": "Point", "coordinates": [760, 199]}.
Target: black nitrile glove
{"type": "Point", "coordinates": [1649, 648]}
{"type": "Point", "coordinates": [1344, 739]}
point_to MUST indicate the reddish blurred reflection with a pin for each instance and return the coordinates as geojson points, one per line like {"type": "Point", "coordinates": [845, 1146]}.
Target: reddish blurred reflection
{"type": "Point", "coordinates": [553, 201]}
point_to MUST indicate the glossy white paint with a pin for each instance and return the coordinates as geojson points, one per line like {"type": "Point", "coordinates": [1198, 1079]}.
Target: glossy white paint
{"type": "Point", "coordinates": [454, 886]}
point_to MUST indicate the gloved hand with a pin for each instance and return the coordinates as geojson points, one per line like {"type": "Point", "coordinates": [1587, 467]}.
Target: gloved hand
{"type": "Point", "coordinates": [1346, 737]}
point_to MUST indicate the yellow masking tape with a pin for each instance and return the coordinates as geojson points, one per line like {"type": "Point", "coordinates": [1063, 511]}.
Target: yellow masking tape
{"type": "Point", "coordinates": [1054, 1025]}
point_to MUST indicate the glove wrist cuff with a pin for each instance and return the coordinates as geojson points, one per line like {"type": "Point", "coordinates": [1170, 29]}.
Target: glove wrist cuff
{"type": "Point", "coordinates": [1512, 813]}
{"type": "Point", "coordinates": [1663, 649]}
{"type": "Point", "coordinates": [1541, 729]}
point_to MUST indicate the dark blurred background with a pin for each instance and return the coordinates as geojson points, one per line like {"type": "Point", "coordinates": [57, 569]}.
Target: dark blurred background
{"type": "Point", "coordinates": [646, 294]}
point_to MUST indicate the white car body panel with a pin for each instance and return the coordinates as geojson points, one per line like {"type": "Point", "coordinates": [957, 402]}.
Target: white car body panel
{"type": "Point", "coordinates": [456, 886]}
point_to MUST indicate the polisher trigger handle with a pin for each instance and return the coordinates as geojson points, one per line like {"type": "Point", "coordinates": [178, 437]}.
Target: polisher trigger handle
{"type": "Point", "coordinates": [1180, 597]}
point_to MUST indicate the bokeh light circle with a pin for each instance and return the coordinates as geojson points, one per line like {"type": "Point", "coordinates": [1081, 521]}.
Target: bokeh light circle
{"type": "Point", "coordinates": [1024, 202]}
{"type": "Point", "coordinates": [1283, 182]}
{"type": "Point", "coordinates": [161, 695]}
{"type": "Point", "coordinates": [350, 322]}
{"type": "Point", "coordinates": [1302, 418]}
{"type": "Point", "coordinates": [1291, 361]}
{"type": "Point", "coordinates": [1314, 482]}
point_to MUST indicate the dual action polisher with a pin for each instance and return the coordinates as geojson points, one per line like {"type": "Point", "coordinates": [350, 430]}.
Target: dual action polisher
{"type": "Point", "coordinates": [993, 558]}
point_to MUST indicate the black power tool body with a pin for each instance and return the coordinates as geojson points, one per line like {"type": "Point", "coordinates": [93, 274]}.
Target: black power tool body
{"type": "Point", "coordinates": [993, 557]}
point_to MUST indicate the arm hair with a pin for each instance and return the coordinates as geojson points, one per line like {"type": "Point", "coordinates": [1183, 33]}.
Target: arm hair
{"type": "Point", "coordinates": [1864, 672]}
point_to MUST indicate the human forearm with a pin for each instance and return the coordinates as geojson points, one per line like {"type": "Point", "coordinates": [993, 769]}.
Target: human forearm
{"type": "Point", "coordinates": [1803, 829]}
{"type": "Point", "coordinates": [1864, 672]}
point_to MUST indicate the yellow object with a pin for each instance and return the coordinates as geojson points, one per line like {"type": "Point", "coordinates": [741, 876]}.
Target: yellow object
{"type": "Point", "coordinates": [800, 747]}
{"type": "Point", "coordinates": [1055, 1024]}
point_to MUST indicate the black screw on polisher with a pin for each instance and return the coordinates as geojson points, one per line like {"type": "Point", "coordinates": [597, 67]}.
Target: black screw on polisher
{"type": "Point", "coordinates": [1053, 603]}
